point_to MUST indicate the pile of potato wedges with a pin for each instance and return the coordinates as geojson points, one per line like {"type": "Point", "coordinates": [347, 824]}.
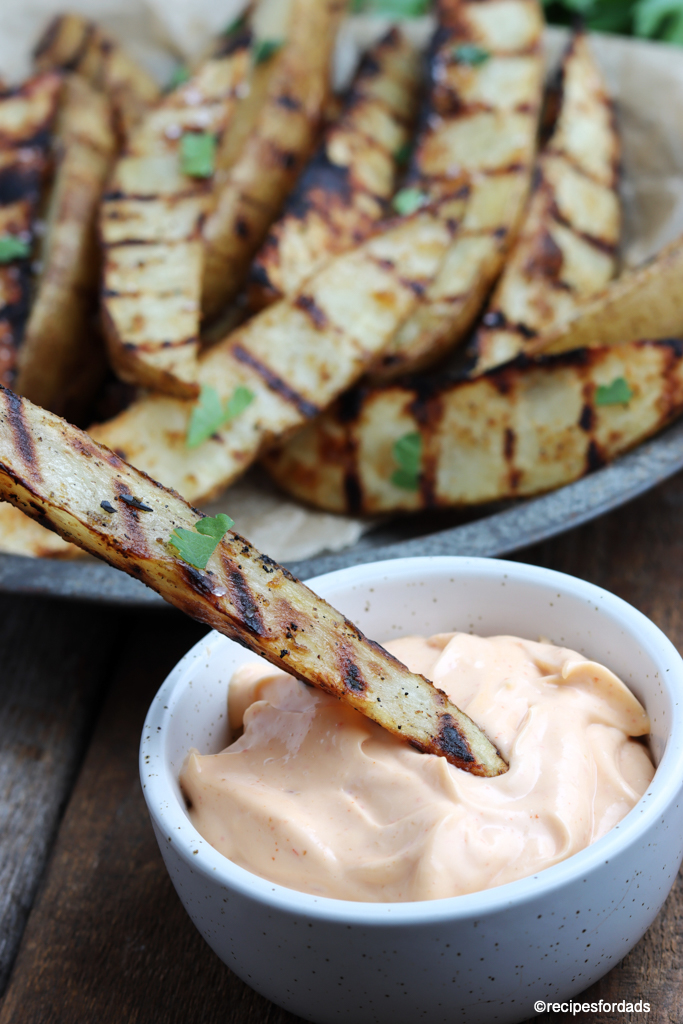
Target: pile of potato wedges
{"type": "Point", "coordinates": [405, 297]}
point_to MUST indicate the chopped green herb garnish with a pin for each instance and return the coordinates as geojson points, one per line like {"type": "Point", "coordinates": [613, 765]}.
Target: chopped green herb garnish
{"type": "Point", "coordinates": [236, 25]}
{"type": "Point", "coordinates": [209, 415]}
{"type": "Point", "coordinates": [652, 19]}
{"type": "Point", "coordinates": [264, 49]}
{"type": "Point", "coordinates": [408, 200]}
{"type": "Point", "coordinates": [470, 54]}
{"type": "Point", "coordinates": [241, 398]}
{"type": "Point", "coordinates": [179, 77]}
{"type": "Point", "coordinates": [616, 393]}
{"type": "Point", "coordinates": [196, 548]}
{"type": "Point", "coordinates": [13, 248]}
{"type": "Point", "coordinates": [198, 154]}
{"type": "Point", "coordinates": [407, 452]}
{"type": "Point", "coordinates": [393, 8]}
{"type": "Point", "coordinates": [402, 154]}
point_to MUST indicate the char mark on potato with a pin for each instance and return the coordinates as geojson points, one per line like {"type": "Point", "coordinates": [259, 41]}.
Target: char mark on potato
{"type": "Point", "coordinates": [243, 600]}
{"type": "Point", "coordinates": [19, 182]}
{"type": "Point", "coordinates": [320, 178]}
{"type": "Point", "coordinates": [22, 435]}
{"type": "Point", "coordinates": [233, 43]}
{"type": "Point", "coordinates": [196, 580]}
{"type": "Point", "coordinates": [276, 383]}
{"type": "Point", "coordinates": [594, 458]}
{"type": "Point", "coordinates": [675, 344]}
{"type": "Point", "coordinates": [451, 741]}
{"type": "Point", "coordinates": [354, 493]}
{"type": "Point", "coordinates": [509, 444]}
{"type": "Point", "coordinates": [352, 676]}
{"type": "Point", "coordinates": [587, 418]}
{"type": "Point", "coordinates": [308, 305]}
{"type": "Point", "coordinates": [131, 519]}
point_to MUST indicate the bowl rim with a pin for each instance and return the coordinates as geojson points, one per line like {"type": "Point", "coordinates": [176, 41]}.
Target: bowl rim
{"type": "Point", "coordinates": [172, 823]}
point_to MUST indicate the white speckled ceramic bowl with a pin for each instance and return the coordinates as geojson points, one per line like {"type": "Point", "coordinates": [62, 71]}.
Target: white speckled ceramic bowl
{"type": "Point", "coordinates": [482, 957]}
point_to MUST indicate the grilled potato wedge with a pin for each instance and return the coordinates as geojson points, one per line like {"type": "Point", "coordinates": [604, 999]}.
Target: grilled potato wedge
{"type": "Point", "coordinates": [642, 303]}
{"type": "Point", "coordinates": [295, 357]}
{"type": "Point", "coordinates": [487, 82]}
{"type": "Point", "coordinates": [343, 190]}
{"type": "Point", "coordinates": [516, 431]}
{"type": "Point", "coordinates": [61, 361]}
{"type": "Point", "coordinates": [26, 117]}
{"type": "Point", "coordinates": [60, 477]}
{"type": "Point", "coordinates": [150, 225]}
{"type": "Point", "coordinates": [72, 43]}
{"type": "Point", "coordinates": [567, 249]}
{"type": "Point", "coordinates": [283, 134]}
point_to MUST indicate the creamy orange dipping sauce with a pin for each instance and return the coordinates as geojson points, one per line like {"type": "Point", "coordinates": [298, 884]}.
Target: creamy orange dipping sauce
{"type": "Point", "coordinates": [318, 798]}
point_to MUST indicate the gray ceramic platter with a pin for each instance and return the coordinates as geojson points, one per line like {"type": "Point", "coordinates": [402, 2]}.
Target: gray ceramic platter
{"type": "Point", "coordinates": [497, 533]}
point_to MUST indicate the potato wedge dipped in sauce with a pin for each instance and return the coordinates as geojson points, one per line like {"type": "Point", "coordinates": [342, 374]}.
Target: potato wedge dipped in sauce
{"type": "Point", "coordinates": [60, 477]}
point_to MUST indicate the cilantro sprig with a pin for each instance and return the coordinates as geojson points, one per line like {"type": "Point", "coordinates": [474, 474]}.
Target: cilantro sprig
{"type": "Point", "coordinates": [616, 393]}
{"type": "Point", "coordinates": [402, 154]}
{"type": "Point", "coordinates": [236, 25]}
{"type": "Point", "coordinates": [407, 452]}
{"type": "Point", "coordinates": [13, 248]}
{"type": "Point", "coordinates": [198, 154]}
{"type": "Point", "coordinates": [651, 19]}
{"type": "Point", "coordinates": [196, 548]}
{"type": "Point", "coordinates": [209, 414]}
{"type": "Point", "coordinates": [392, 8]}
{"type": "Point", "coordinates": [470, 54]}
{"type": "Point", "coordinates": [408, 200]}
{"type": "Point", "coordinates": [264, 49]}
{"type": "Point", "coordinates": [181, 74]}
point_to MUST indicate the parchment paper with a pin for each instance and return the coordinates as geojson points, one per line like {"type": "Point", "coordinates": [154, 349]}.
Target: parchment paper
{"type": "Point", "coordinates": [645, 79]}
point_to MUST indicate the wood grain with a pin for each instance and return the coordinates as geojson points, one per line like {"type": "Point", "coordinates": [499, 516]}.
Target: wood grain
{"type": "Point", "coordinates": [108, 940]}
{"type": "Point", "coordinates": [50, 689]}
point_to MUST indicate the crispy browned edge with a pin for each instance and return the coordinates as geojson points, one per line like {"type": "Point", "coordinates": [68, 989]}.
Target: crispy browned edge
{"type": "Point", "coordinates": [245, 594]}
{"type": "Point", "coordinates": [441, 104]}
{"type": "Point", "coordinates": [62, 361]}
{"type": "Point", "coordinates": [136, 361]}
{"type": "Point", "coordinates": [332, 198]}
{"type": "Point", "coordinates": [536, 259]}
{"type": "Point", "coordinates": [281, 140]}
{"type": "Point", "coordinates": [24, 169]}
{"type": "Point", "coordinates": [334, 439]}
{"type": "Point", "coordinates": [74, 43]}
{"type": "Point", "coordinates": [643, 303]}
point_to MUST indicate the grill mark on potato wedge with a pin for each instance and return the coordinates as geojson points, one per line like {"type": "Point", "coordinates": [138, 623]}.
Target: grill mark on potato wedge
{"type": "Point", "coordinates": [150, 224]}
{"type": "Point", "coordinates": [516, 431]}
{"type": "Point", "coordinates": [481, 120]}
{"type": "Point", "coordinates": [243, 600]}
{"type": "Point", "coordinates": [26, 116]}
{"type": "Point", "coordinates": [280, 136]}
{"type": "Point", "coordinates": [307, 409]}
{"type": "Point", "coordinates": [234, 594]}
{"type": "Point", "coordinates": [23, 441]}
{"type": "Point", "coordinates": [72, 43]}
{"type": "Point", "coordinates": [642, 303]}
{"type": "Point", "coordinates": [61, 361]}
{"type": "Point", "coordinates": [568, 244]}
{"type": "Point", "coordinates": [343, 189]}
{"type": "Point", "coordinates": [291, 364]}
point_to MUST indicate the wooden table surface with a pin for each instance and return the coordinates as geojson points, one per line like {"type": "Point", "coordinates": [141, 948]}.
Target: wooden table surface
{"type": "Point", "coordinates": [91, 930]}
